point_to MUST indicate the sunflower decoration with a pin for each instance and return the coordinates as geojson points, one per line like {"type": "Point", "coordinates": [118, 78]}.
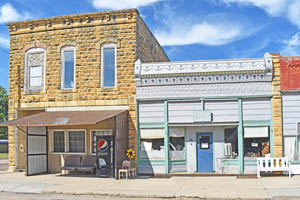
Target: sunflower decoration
{"type": "Point", "coordinates": [130, 153]}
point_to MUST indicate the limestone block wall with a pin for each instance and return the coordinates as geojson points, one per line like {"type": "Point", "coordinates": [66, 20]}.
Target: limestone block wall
{"type": "Point", "coordinates": [277, 108]}
{"type": "Point", "coordinates": [86, 32]}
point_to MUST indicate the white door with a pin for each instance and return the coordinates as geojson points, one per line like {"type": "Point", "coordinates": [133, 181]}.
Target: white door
{"type": "Point", "coordinates": [37, 150]}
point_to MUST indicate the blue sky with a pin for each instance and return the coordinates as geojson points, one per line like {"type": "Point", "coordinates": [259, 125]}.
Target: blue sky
{"type": "Point", "coordinates": [187, 29]}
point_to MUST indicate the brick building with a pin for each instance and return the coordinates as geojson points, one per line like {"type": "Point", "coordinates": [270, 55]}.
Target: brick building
{"type": "Point", "coordinates": [70, 79]}
{"type": "Point", "coordinates": [290, 92]}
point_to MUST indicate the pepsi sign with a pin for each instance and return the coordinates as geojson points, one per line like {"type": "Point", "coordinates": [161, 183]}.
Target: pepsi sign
{"type": "Point", "coordinates": [102, 145]}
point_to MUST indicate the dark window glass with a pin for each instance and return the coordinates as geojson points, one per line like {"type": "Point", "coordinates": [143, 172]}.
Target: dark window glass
{"type": "Point", "coordinates": [76, 141]}
{"type": "Point", "coordinates": [231, 142]}
{"type": "Point", "coordinates": [177, 143]}
{"type": "Point", "coordinates": [109, 67]}
{"type": "Point", "coordinates": [59, 141]}
{"type": "Point", "coordinates": [204, 142]}
{"type": "Point", "coordinates": [68, 69]}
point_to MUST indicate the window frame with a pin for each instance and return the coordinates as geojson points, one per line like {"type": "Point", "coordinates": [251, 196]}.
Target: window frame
{"type": "Point", "coordinates": [104, 46]}
{"type": "Point", "coordinates": [91, 138]}
{"type": "Point", "coordinates": [66, 138]}
{"type": "Point", "coordinates": [62, 71]}
{"type": "Point", "coordinates": [27, 87]}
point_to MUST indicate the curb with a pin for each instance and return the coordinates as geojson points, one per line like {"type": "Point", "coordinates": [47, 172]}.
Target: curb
{"type": "Point", "coordinates": [149, 196]}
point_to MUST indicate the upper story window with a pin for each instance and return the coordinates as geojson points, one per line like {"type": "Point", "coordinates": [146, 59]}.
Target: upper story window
{"type": "Point", "coordinates": [35, 69]}
{"type": "Point", "coordinates": [68, 68]}
{"type": "Point", "coordinates": [108, 65]}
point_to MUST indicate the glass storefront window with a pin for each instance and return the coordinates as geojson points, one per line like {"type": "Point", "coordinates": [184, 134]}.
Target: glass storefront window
{"type": "Point", "coordinates": [231, 142]}
{"type": "Point", "coordinates": [256, 141]}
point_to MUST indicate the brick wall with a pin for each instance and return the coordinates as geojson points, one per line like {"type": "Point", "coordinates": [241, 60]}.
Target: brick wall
{"type": "Point", "coordinates": [87, 32]}
{"type": "Point", "coordinates": [277, 108]}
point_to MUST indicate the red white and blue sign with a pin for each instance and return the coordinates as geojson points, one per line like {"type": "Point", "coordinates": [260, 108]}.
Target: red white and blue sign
{"type": "Point", "coordinates": [102, 145]}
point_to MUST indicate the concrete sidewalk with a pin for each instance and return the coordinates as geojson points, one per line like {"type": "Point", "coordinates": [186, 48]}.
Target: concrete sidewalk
{"type": "Point", "coordinates": [175, 187]}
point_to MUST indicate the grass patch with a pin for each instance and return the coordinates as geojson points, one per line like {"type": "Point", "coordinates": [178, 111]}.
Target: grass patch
{"type": "Point", "coordinates": [3, 156]}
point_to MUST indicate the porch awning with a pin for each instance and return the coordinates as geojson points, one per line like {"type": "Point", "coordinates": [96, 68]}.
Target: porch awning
{"type": "Point", "coordinates": [64, 118]}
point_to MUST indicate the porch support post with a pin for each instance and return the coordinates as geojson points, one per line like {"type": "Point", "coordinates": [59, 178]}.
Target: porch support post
{"type": "Point", "coordinates": [166, 137]}
{"type": "Point", "coordinates": [138, 136]}
{"type": "Point", "coordinates": [297, 147]}
{"type": "Point", "coordinates": [240, 137]}
{"type": "Point", "coordinates": [271, 131]}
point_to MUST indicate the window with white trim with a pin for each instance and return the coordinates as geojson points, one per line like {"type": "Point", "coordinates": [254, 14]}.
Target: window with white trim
{"type": "Point", "coordinates": [108, 65]}
{"type": "Point", "coordinates": [58, 141]}
{"type": "Point", "coordinates": [76, 141]}
{"type": "Point", "coordinates": [152, 144]}
{"type": "Point", "coordinates": [94, 134]}
{"type": "Point", "coordinates": [68, 68]}
{"type": "Point", "coordinates": [34, 69]}
{"type": "Point", "coordinates": [68, 141]}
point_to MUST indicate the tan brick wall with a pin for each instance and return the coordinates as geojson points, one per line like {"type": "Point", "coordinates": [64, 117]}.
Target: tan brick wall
{"type": "Point", "coordinates": [277, 108]}
{"type": "Point", "coordinates": [87, 32]}
{"type": "Point", "coordinates": [149, 50]}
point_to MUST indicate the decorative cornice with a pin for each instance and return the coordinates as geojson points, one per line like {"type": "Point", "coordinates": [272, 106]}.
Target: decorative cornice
{"type": "Point", "coordinates": [79, 20]}
{"type": "Point", "coordinates": [213, 71]}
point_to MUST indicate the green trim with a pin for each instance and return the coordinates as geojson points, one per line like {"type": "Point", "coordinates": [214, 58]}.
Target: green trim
{"type": "Point", "coordinates": [257, 122]}
{"type": "Point", "coordinates": [271, 131]}
{"type": "Point", "coordinates": [138, 136]}
{"type": "Point", "coordinates": [208, 97]}
{"type": "Point", "coordinates": [166, 137]}
{"type": "Point", "coordinates": [152, 162]}
{"type": "Point", "coordinates": [186, 143]}
{"type": "Point", "coordinates": [231, 161]}
{"type": "Point", "coordinates": [178, 162]}
{"type": "Point", "coordinates": [295, 162]}
{"type": "Point", "coordinates": [240, 137]}
{"type": "Point", "coordinates": [250, 162]}
{"type": "Point", "coordinates": [297, 147]}
{"type": "Point", "coordinates": [152, 125]}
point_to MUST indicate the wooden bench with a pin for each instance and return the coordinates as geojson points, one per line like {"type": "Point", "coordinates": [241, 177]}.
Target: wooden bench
{"type": "Point", "coordinates": [76, 163]}
{"type": "Point", "coordinates": [268, 164]}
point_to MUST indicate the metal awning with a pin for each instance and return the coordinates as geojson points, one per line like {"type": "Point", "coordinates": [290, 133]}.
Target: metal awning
{"type": "Point", "coordinates": [64, 118]}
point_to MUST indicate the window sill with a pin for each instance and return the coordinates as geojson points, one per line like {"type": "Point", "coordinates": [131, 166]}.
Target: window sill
{"type": "Point", "coordinates": [68, 90]}
{"type": "Point", "coordinates": [34, 92]}
{"type": "Point", "coordinates": [67, 153]}
{"type": "Point", "coordinates": [109, 89]}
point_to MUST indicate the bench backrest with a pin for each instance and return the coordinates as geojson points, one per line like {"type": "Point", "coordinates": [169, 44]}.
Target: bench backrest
{"type": "Point", "coordinates": [89, 161]}
{"type": "Point", "coordinates": [272, 163]}
{"type": "Point", "coordinates": [72, 161]}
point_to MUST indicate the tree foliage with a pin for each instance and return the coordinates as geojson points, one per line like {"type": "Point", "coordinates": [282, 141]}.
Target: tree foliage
{"type": "Point", "coordinates": [3, 112]}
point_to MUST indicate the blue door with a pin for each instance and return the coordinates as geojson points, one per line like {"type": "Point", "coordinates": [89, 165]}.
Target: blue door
{"type": "Point", "coordinates": [205, 152]}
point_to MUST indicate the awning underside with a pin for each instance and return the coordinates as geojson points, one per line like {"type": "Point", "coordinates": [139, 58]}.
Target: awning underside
{"type": "Point", "coordinates": [64, 118]}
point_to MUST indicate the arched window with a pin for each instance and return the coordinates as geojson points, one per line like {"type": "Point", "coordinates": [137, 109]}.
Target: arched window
{"type": "Point", "coordinates": [108, 66]}
{"type": "Point", "coordinates": [68, 67]}
{"type": "Point", "coordinates": [35, 61]}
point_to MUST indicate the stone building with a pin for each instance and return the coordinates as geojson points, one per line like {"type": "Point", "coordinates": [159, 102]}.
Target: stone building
{"type": "Point", "coordinates": [290, 92]}
{"type": "Point", "coordinates": [72, 78]}
{"type": "Point", "coordinates": [213, 116]}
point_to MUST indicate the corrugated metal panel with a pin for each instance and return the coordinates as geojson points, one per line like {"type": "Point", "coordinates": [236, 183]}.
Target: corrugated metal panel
{"type": "Point", "coordinates": [257, 109]}
{"type": "Point", "coordinates": [291, 113]}
{"type": "Point", "coordinates": [151, 112]}
{"type": "Point", "coordinates": [183, 112]}
{"type": "Point", "coordinates": [205, 90]}
{"type": "Point", "coordinates": [121, 140]}
{"type": "Point", "coordinates": [223, 111]}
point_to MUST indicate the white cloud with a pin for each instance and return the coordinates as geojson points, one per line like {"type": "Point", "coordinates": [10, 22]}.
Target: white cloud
{"type": "Point", "coordinates": [293, 12]}
{"type": "Point", "coordinates": [121, 4]}
{"type": "Point", "coordinates": [202, 33]}
{"type": "Point", "coordinates": [4, 41]}
{"type": "Point", "coordinates": [272, 7]}
{"type": "Point", "coordinates": [8, 13]}
{"type": "Point", "coordinates": [292, 46]}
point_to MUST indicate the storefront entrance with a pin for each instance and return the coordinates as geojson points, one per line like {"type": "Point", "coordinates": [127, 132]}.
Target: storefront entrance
{"type": "Point", "coordinates": [204, 152]}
